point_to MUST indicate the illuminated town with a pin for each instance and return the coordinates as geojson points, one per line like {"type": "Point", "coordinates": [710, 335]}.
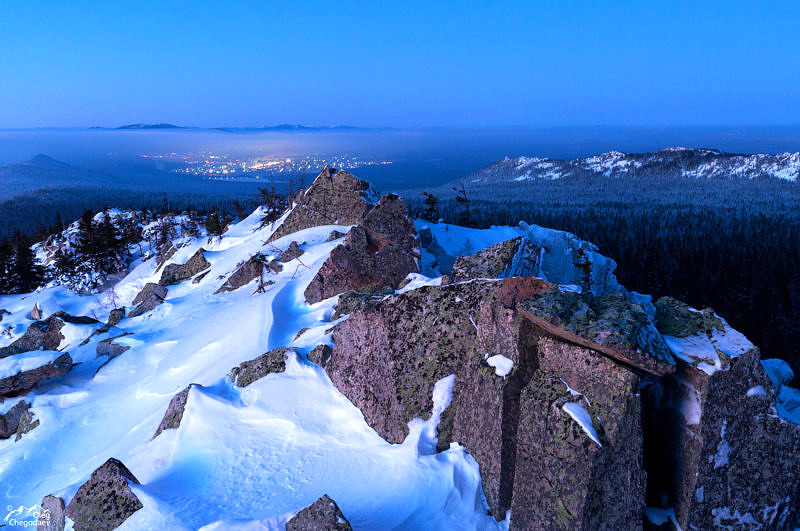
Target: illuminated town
{"type": "Point", "coordinates": [222, 166]}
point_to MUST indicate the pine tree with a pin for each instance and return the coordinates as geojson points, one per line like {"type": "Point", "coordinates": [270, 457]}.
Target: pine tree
{"type": "Point", "coordinates": [28, 274]}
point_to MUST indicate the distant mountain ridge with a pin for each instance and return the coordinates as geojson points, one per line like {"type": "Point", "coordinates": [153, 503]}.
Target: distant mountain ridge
{"type": "Point", "coordinates": [698, 163]}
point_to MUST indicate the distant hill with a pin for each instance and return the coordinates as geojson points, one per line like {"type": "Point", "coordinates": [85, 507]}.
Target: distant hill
{"type": "Point", "coordinates": [675, 162]}
{"type": "Point", "coordinates": [150, 126]}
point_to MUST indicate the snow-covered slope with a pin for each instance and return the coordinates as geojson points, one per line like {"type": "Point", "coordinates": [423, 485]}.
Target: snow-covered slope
{"type": "Point", "coordinates": [672, 162]}
{"type": "Point", "coordinates": [258, 453]}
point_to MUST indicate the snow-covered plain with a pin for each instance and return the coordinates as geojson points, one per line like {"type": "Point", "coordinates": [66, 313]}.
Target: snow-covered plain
{"type": "Point", "coordinates": [242, 457]}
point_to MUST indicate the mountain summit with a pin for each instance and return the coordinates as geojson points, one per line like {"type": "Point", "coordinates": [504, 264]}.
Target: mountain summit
{"type": "Point", "coordinates": [346, 365]}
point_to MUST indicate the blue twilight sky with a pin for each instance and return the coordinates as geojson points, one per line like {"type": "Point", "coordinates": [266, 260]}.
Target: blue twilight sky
{"type": "Point", "coordinates": [399, 64]}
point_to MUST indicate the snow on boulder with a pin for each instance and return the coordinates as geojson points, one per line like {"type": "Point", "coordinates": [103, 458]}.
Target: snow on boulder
{"type": "Point", "coordinates": [22, 372]}
{"type": "Point", "coordinates": [175, 273]}
{"type": "Point", "coordinates": [40, 335]}
{"type": "Point", "coordinates": [105, 500]}
{"type": "Point", "coordinates": [270, 362]}
{"type": "Point", "coordinates": [321, 515]}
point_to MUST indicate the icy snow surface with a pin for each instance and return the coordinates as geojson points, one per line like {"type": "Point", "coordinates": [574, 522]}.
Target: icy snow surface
{"type": "Point", "coordinates": [787, 398]}
{"type": "Point", "coordinates": [242, 458]}
{"type": "Point", "coordinates": [502, 365]}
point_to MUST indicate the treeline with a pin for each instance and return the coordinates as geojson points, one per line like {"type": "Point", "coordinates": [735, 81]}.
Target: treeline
{"type": "Point", "coordinates": [729, 245]}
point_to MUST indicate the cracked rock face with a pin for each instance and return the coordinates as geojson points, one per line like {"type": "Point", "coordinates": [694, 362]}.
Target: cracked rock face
{"type": "Point", "coordinates": [22, 382]}
{"type": "Point", "coordinates": [175, 273]}
{"type": "Point", "coordinates": [105, 500]}
{"type": "Point", "coordinates": [365, 261]}
{"type": "Point", "coordinates": [321, 515]}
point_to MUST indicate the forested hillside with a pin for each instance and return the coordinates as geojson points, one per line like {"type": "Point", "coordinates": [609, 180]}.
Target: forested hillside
{"type": "Point", "coordinates": [730, 244]}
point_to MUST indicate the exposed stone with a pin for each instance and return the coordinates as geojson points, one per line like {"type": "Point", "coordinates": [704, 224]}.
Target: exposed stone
{"type": "Point", "coordinates": [175, 273]}
{"type": "Point", "coordinates": [322, 515]}
{"type": "Point", "coordinates": [151, 296]}
{"type": "Point", "coordinates": [390, 219]}
{"type": "Point", "coordinates": [105, 500]}
{"type": "Point", "coordinates": [165, 252]}
{"type": "Point", "coordinates": [3, 311]}
{"type": "Point", "coordinates": [274, 267]}
{"type": "Point", "coordinates": [75, 319]}
{"type": "Point", "coordinates": [116, 315]}
{"type": "Point", "coordinates": [52, 514]}
{"type": "Point", "coordinates": [365, 261]}
{"type": "Point", "coordinates": [22, 382]}
{"type": "Point", "coordinates": [352, 300]}
{"type": "Point", "coordinates": [321, 355]}
{"type": "Point", "coordinates": [36, 312]}
{"type": "Point", "coordinates": [716, 452]}
{"type": "Point", "coordinates": [26, 423]}
{"type": "Point", "coordinates": [515, 257]}
{"type": "Point", "coordinates": [334, 235]}
{"type": "Point", "coordinates": [268, 363]}
{"type": "Point", "coordinates": [250, 270]}
{"type": "Point", "coordinates": [148, 291]}
{"type": "Point", "coordinates": [611, 324]}
{"type": "Point", "coordinates": [291, 252]}
{"type": "Point", "coordinates": [107, 347]}
{"type": "Point", "coordinates": [40, 335]}
{"type": "Point", "coordinates": [335, 197]}
{"type": "Point", "coordinates": [198, 278]}
{"type": "Point", "coordinates": [174, 415]}
{"type": "Point", "coordinates": [9, 421]}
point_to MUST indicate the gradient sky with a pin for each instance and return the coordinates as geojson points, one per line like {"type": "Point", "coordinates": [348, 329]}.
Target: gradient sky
{"type": "Point", "coordinates": [75, 63]}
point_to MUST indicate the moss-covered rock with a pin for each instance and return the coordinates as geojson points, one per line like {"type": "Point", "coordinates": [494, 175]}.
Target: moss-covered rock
{"type": "Point", "coordinates": [27, 423]}
{"type": "Point", "coordinates": [174, 414]}
{"type": "Point", "coordinates": [322, 515]}
{"type": "Point", "coordinates": [270, 362]}
{"type": "Point", "coordinates": [105, 500]}
{"type": "Point", "coordinates": [175, 273]}
{"type": "Point", "coordinates": [678, 319]}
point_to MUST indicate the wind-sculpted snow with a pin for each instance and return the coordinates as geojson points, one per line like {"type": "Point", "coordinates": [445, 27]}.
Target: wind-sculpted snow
{"type": "Point", "coordinates": [671, 162]}
{"type": "Point", "coordinates": [253, 454]}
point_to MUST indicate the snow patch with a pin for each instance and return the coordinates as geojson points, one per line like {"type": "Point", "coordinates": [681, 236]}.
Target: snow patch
{"type": "Point", "coordinates": [502, 365]}
{"type": "Point", "coordinates": [583, 418]}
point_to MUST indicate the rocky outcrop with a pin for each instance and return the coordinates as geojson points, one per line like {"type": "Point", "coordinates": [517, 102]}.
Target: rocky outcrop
{"type": "Point", "coordinates": [24, 381]}
{"type": "Point", "coordinates": [105, 500]}
{"type": "Point", "coordinates": [321, 355]}
{"type": "Point", "coordinates": [174, 415]}
{"type": "Point", "coordinates": [27, 423]}
{"type": "Point", "coordinates": [151, 296]}
{"type": "Point", "coordinates": [352, 300]}
{"type": "Point", "coordinates": [10, 420]}
{"type": "Point", "coordinates": [291, 252]}
{"type": "Point", "coordinates": [107, 347]}
{"type": "Point", "coordinates": [249, 371]}
{"type": "Point", "coordinates": [515, 257]}
{"type": "Point", "coordinates": [116, 315]}
{"type": "Point", "coordinates": [387, 358]}
{"type": "Point", "coordinates": [165, 252]}
{"type": "Point", "coordinates": [41, 335]}
{"type": "Point", "coordinates": [365, 261]}
{"type": "Point", "coordinates": [715, 450]}
{"type": "Point", "coordinates": [252, 269]}
{"type": "Point", "coordinates": [322, 515]}
{"type": "Point", "coordinates": [175, 273]}
{"type": "Point", "coordinates": [52, 514]}
{"type": "Point", "coordinates": [335, 197]}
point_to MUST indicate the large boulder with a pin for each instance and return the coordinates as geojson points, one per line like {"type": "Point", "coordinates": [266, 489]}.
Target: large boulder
{"type": "Point", "coordinates": [322, 515]}
{"type": "Point", "coordinates": [40, 335]}
{"type": "Point", "coordinates": [105, 500]}
{"type": "Point", "coordinates": [510, 381]}
{"type": "Point", "coordinates": [23, 381]}
{"type": "Point", "coordinates": [252, 269]}
{"type": "Point", "coordinates": [174, 414]}
{"type": "Point", "coordinates": [10, 420]}
{"type": "Point", "coordinates": [270, 362]}
{"type": "Point", "coordinates": [151, 296]}
{"type": "Point", "coordinates": [291, 252]}
{"type": "Point", "coordinates": [365, 261]}
{"type": "Point", "coordinates": [335, 197]}
{"type": "Point", "coordinates": [716, 451]}
{"type": "Point", "coordinates": [52, 514]}
{"type": "Point", "coordinates": [175, 273]}
{"type": "Point", "coordinates": [515, 257]}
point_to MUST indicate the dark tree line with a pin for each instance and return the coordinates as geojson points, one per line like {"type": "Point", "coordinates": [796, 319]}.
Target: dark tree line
{"type": "Point", "coordinates": [728, 245]}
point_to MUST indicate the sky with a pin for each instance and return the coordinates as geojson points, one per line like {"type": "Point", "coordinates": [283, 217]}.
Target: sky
{"type": "Point", "coordinates": [399, 64]}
